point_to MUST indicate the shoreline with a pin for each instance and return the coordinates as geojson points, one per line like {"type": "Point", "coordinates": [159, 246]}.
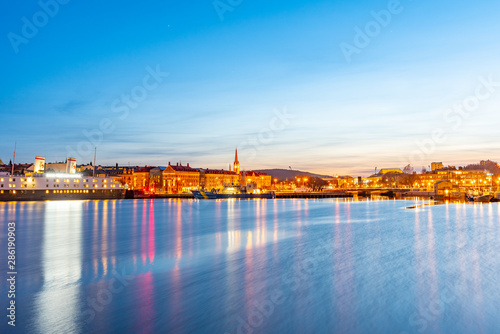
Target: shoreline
{"type": "Point", "coordinates": [431, 201]}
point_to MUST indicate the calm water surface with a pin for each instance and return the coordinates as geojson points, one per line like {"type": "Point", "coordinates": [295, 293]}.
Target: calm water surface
{"type": "Point", "coordinates": [264, 266]}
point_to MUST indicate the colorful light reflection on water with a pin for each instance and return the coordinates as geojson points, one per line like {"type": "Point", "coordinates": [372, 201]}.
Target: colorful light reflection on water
{"type": "Point", "coordinates": [263, 266]}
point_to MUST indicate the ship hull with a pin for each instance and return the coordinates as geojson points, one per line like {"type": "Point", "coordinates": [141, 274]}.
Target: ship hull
{"type": "Point", "coordinates": [42, 195]}
{"type": "Point", "coordinates": [210, 195]}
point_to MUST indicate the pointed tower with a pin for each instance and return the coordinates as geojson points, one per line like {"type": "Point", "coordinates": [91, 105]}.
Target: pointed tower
{"type": "Point", "coordinates": [236, 163]}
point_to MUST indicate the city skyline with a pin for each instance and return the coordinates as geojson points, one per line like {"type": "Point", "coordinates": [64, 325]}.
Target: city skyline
{"type": "Point", "coordinates": [431, 166]}
{"type": "Point", "coordinates": [291, 84]}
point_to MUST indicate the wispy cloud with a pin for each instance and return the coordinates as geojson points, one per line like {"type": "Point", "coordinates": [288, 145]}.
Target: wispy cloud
{"type": "Point", "coordinates": [71, 107]}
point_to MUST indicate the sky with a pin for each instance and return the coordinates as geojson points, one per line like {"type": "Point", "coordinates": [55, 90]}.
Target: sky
{"type": "Point", "coordinates": [334, 87]}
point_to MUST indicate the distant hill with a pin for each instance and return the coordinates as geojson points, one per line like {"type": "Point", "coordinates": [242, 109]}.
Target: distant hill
{"type": "Point", "coordinates": [283, 174]}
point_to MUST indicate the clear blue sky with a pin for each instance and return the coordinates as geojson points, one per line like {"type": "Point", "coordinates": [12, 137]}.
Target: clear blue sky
{"type": "Point", "coordinates": [227, 79]}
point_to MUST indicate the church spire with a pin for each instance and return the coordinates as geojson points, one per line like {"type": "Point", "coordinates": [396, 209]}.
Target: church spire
{"type": "Point", "coordinates": [236, 162]}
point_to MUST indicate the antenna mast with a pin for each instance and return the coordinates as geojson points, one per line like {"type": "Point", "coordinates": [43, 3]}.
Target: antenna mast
{"type": "Point", "coordinates": [14, 158]}
{"type": "Point", "coordinates": [95, 152]}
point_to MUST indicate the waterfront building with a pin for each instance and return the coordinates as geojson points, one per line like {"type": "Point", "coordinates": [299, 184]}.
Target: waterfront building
{"type": "Point", "coordinates": [464, 179]}
{"type": "Point", "coordinates": [142, 178]}
{"type": "Point", "coordinates": [386, 177]}
{"type": "Point", "coordinates": [218, 178]}
{"type": "Point", "coordinates": [261, 180]}
{"type": "Point", "coordinates": [83, 168]}
{"type": "Point", "coordinates": [178, 179]}
{"type": "Point", "coordinates": [106, 170]}
{"type": "Point", "coordinates": [135, 178]}
{"type": "Point", "coordinates": [384, 171]}
{"type": "Point", "coordinates": [436, 165]}
{"type": "Point", "coordinates": [126, 178]}
{"type": "Point", "coordinates": [156, 179]}
{"type": "Point", "coordinates": [444, 188]}
{"type": "Point", "coordinates": [18, 168]}
{"type": "Point", "coordinates": [345, 181]}
{"type": "Point", "coordinates": [374, 180]}
{"type": "Point", "coordinates": [469, 178]}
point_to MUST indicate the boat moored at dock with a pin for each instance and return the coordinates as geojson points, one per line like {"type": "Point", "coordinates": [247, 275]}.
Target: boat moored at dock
{"type": "Point", "coordinates": [237, 193]}
{"type": "Point", "coordinates": [66, 184]}
{"type": "Point", "coordinates": [55, 186]}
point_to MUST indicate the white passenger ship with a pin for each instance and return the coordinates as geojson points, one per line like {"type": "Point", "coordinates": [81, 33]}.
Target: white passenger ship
{"type": "Point", "coordinates": [40, 185]}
